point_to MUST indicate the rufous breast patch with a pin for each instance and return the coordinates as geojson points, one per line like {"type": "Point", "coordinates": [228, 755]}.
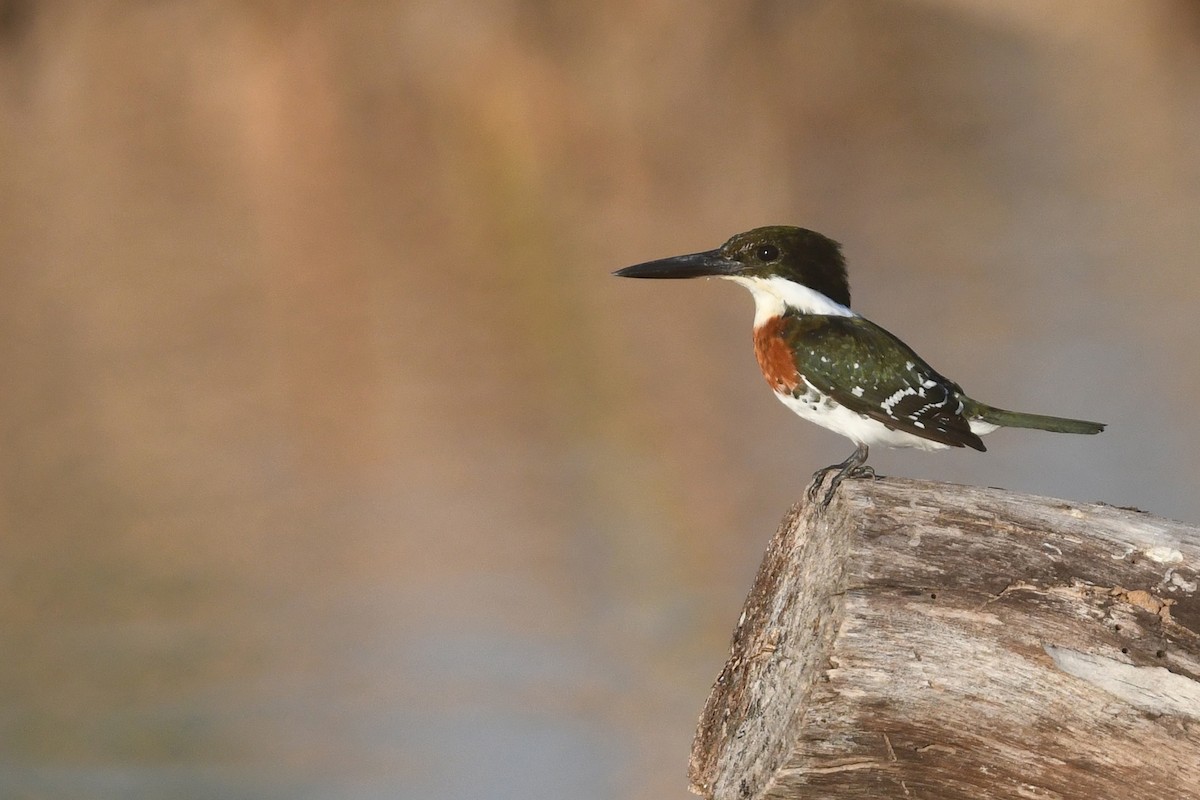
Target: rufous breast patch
{"type": "Point", "coordinates": [775, 356]}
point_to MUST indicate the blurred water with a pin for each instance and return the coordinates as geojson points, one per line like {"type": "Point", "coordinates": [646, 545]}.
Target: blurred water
{"type": "Point", "coordinates": [333, 463]}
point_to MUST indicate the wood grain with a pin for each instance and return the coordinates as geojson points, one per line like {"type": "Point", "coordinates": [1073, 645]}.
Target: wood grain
{"type": "Point", "coordinates": [922, 640]}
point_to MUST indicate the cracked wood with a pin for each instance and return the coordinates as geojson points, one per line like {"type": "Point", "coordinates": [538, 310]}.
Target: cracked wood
{"type": "Point", "coordinates": [936, 641]}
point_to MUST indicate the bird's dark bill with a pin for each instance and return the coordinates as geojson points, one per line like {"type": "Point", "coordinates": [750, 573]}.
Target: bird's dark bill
{"type": "Point", "coordinates": [697, 265]}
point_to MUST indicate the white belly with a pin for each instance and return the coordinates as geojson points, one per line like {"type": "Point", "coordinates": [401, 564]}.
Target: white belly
{"type": "Point", "coordinates": [859, 428]}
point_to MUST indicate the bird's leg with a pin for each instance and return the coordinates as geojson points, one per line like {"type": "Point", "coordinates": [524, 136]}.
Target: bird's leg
{"type": "Point", "coordinates": [851, 467]}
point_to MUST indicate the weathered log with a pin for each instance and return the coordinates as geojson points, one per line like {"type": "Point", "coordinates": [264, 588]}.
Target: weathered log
{"type": "Point", "coordinates": [924, 640]}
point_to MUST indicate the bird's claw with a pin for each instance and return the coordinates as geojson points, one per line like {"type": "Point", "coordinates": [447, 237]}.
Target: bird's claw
{"type": "Point", "coordinates": [852, 467]}
{"type": "Point", "coordinates": [866, 472]}
{"type": "Point", "coordinates": [818, 479]}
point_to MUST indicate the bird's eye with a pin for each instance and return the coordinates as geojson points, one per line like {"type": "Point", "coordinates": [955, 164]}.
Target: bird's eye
{"type": "Point", "coordinates": [767, 253]}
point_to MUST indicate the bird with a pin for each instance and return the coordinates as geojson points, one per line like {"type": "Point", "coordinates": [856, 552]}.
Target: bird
{"type": "Point", "coordinates": [832, 366]}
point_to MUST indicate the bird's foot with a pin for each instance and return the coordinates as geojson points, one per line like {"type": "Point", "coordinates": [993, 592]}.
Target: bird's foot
{"type": "Point", "coordinates": [866, 472]}
{"type": "Point", "coordinates": [852, 467]}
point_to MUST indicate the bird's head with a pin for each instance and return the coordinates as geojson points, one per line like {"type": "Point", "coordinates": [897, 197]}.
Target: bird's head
{"type": "Point", "coordinates": [779, 264]}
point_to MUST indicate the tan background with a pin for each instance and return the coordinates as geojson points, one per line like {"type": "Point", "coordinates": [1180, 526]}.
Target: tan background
{"type": "Point", "coordinates": [334, 464]}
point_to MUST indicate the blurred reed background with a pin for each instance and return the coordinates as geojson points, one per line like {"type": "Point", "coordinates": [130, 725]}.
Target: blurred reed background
{"type": "Point", "coordinates": [333, 462]}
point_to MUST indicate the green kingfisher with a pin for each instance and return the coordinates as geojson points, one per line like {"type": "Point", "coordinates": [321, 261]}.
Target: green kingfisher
{"type": "Point", "coordinates": [834, 367]}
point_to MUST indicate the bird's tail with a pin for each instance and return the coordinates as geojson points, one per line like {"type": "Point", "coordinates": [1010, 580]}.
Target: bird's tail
{"type": "Point", "coordinates": [1016, 419]}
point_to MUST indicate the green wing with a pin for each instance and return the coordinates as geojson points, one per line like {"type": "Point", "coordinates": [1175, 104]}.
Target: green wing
{"type": "Point", "coordinates": [870, 371]}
